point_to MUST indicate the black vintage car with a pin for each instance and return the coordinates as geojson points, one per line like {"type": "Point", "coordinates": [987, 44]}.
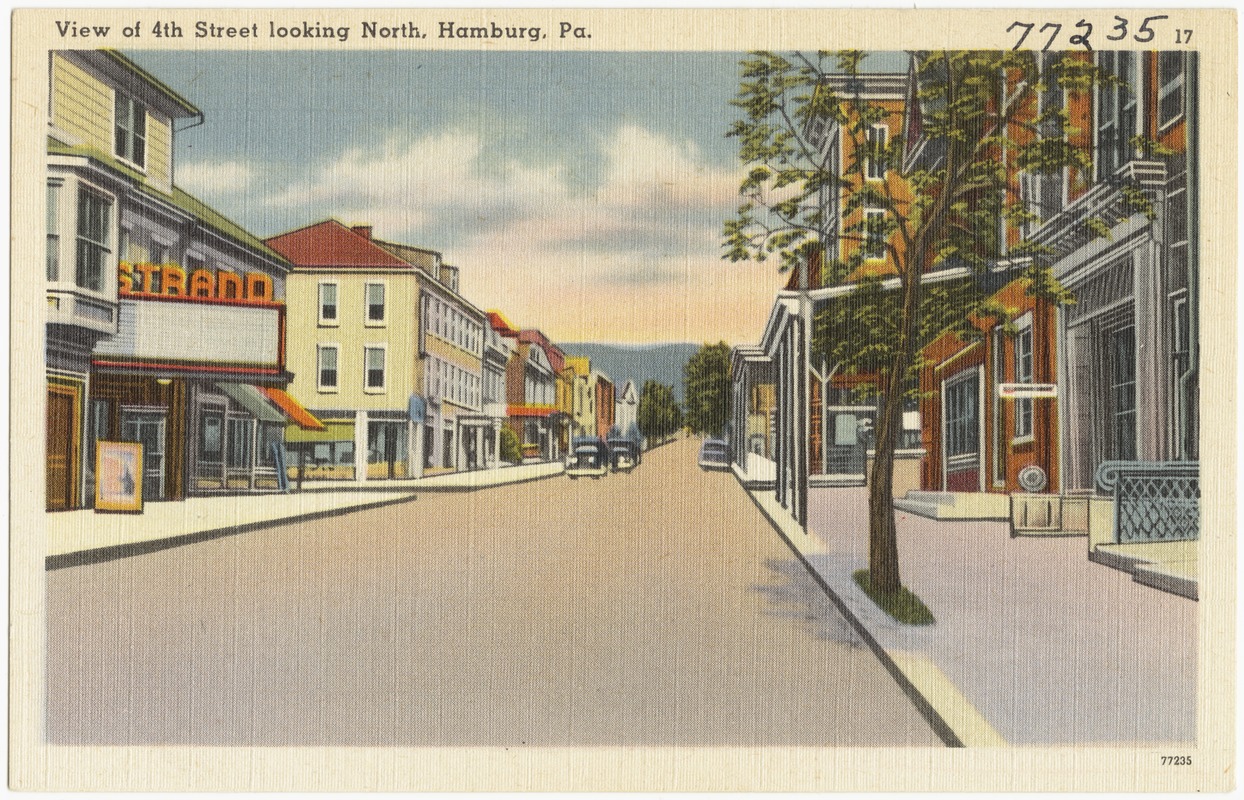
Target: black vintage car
{"type": "Point", "coordinates": [588, 457]}
{"type": "Point", "coordinates": [624, 455]}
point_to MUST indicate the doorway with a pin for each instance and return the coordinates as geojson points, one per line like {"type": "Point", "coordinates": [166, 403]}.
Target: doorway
{"type": "Point", "coordinates": [147, 427]}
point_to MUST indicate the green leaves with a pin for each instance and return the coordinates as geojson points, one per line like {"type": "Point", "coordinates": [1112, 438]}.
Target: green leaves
{"type": "Point", "coordinates": [707, 390]}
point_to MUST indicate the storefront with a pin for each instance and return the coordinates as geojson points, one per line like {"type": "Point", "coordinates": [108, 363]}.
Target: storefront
{"type": "Point", "coordinates": [197, 381]}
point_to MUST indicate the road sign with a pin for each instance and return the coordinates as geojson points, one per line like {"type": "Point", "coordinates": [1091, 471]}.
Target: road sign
{"type": "Point", "coordinates": [1026, 391]}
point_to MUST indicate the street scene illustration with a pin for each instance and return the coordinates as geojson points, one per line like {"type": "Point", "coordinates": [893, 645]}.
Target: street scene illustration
{"type": "Point", "coordinates": [522, 399]}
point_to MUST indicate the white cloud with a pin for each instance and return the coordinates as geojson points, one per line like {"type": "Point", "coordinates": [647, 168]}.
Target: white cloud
{"type": "Point", "coordinates": [215, 179]}
{"type": "Point", "coordinates": [637, 258]}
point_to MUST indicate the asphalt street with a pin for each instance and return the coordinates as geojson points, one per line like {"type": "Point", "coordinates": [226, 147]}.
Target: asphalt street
{"type": "Point", "coordinates": [657, 608]}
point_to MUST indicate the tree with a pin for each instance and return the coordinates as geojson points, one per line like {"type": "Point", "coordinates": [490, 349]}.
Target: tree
{"type": "Point", "coordinates": [918, 207]}
{"type": "Point", "coordinates": [707, 390]}
{"type": "Point", "coordinates": [658, 415]}
{"type": "Point", "coordinates": [510, 449]}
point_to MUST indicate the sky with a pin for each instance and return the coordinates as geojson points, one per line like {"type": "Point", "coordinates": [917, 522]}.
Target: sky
{"type": "Point", "coordinates": [580, 193]}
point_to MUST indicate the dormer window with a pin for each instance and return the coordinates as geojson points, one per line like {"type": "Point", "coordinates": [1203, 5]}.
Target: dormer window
{"type": "Point", "coordinates": [130, 126]}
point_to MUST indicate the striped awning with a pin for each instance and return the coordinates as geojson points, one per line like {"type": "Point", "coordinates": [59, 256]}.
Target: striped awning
{"type": "Point", "coordinates": [293, 409]}
{"type": "Point", "coordinates": [253, 400]}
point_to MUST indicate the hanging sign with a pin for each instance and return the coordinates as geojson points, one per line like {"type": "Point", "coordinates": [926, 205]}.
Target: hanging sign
{"type": "Point", "coordinates": [1026, 391]}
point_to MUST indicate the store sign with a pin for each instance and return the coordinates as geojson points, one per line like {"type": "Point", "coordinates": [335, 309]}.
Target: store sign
{"type": "Point", "coordinates": [171, 280]}
{"type": "Point", "coordinates": [1026, 391]}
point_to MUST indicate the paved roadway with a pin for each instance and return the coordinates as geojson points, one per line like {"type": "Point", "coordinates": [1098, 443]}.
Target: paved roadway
{"type": "Point", "coordinates": [656, 608]}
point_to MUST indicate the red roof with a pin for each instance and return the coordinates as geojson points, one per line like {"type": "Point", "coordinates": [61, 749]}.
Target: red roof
{"type": "Point", "coordinates": [557, 359]}
{"type": "Point", "coordinates": [331, 244]}
{"type": "Point", "coordinates": [501, 325]}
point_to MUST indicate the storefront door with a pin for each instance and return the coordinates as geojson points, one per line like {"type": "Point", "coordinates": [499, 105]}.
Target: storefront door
{"type": "Point", "coordinates": [60, 433]}
{"type": "Point", "coordinates": [147, 427]}
{"type": "Point", "coordinates": [961, 433]}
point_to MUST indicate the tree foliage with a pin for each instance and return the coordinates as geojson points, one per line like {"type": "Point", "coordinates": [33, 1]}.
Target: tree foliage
{"type": "Point", "coordinates": [658, 415]}
{"type": "Point", "coordinates": [938, 209]}
{"type": "Point", "coordinates": [510, 449]}
{"type": "Point", "coordinates": [707, 391]}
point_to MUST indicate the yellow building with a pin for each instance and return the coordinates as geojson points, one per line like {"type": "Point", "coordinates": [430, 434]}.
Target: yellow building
{"type": "Point", "coordinates": [387, 353]}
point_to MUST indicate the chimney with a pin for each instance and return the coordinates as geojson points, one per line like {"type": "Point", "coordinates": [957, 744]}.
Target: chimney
{"type": "Point", "coordinates": [362, 230]}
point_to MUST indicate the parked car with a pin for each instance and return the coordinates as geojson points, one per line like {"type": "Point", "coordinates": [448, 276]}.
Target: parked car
{"type": "Point", "coordinates": [590, 458]}
{"type": "Point", "coordinates": [623, 455]}
{"type": "Point", "coordinates": [715, 454]}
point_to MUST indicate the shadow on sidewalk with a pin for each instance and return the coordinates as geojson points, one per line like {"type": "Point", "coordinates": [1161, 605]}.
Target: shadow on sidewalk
{"type": "Point", "coordinates": [794, 595]}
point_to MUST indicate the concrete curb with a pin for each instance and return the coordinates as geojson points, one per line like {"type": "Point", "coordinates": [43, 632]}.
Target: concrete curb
{"type": "Point", "coordinates": [98, 555]}
{"type": "Point", "coordinates": [922, 703]}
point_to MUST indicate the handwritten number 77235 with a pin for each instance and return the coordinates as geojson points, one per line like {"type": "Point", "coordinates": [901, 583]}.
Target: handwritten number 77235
{"type": "Point", "coordinates": [1143, 33]}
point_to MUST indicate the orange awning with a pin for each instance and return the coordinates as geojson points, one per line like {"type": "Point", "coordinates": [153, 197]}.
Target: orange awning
{"type": "Point", "coordinates": [293, 409]}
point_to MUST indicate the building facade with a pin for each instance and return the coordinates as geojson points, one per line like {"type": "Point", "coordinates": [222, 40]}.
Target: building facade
{"type": "Point", "coordinates": [166, 321]}
{"type": "Point", "coordinates": [626, 413]}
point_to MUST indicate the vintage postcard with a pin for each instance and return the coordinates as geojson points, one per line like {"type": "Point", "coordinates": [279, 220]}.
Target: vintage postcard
{"type": "Point", "coordinates": [623, 400]}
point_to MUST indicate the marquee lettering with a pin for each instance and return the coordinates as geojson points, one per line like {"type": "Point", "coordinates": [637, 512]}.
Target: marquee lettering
{"type": "Point", "coordinates": [171, 280]}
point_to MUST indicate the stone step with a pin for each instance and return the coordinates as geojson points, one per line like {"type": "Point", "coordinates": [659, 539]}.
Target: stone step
{"type": "Point", "coordinates": [920, 509]}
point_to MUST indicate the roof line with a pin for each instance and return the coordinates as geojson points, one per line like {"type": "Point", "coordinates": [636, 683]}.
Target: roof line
{"type": "Point", "coordinates": [124, 61]}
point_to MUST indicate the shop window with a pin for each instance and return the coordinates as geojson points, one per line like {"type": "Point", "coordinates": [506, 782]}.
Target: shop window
{"type": "Point", "coordinates": [53, 226]}
{"type": "Point", "coordinates": [328, 303]}
{"type": "Point", "coordinates": [240, 436]}
{"type": "Point", "coordinates": [93, 240]}
{"type": "Point", "coordinates": [326, 355]}
{"type": "Point", "coordinates": [375, 303]}
{"type": "Point", "coordinates": [130, 125]}
{"type": "Point", "coordinates": [373, 361]}
{"type": "Point", "coordinates": [1023, 374]}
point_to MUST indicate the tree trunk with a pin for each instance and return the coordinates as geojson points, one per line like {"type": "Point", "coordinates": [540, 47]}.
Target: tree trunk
{"type": "Point", "coordinates": [883, 572]}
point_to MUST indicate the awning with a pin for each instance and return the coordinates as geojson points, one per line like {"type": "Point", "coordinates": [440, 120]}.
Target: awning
{"type": "Point", "coordinates": [293, 409]}
{"type": "Point", "coordinates": [253, 400]}
{"type": "Point", "coordinates": [530, 410]}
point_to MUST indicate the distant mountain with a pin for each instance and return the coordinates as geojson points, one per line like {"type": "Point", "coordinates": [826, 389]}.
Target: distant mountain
{"type": "Point", "coordinates": [662, 363]}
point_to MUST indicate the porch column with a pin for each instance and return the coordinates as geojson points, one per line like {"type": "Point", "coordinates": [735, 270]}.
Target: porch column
{"type": "Point", "coordinates": [414, 449]}
{"type": "Point", "coordinates": [360, 446]}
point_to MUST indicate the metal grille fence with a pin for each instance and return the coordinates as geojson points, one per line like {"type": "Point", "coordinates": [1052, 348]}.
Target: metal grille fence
{"type": "Point", "coordinates": [1153, 501]}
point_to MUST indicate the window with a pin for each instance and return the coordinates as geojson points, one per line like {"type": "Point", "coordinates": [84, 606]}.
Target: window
{"type": "Point", "coordinates": [874, 234]}
{"type": "Point", "coordinates": [326, 356]}
{"type": "Point", "coordinates": [328, 303]}
{"type": "Point", "coordinates": [94, 220]}
{"type": "Point", "coordinates": [1023, 374]}
{"type": "Point", "coordinates": [53, 225]}
{"type": "Point", "coordinates": [1117, 111]}
{"type": "Point", "coordinates": [961, 423]}
{"type": "Point", "coordinates": [375, 303]}
{"type": "Point", "coordinates": [240, 434]}
{"type": "Point", "coordinates": [1121, 358]}
{"type": "Point", "coordinates": [878, 140]}
{"type": "Point", "coordinates": [1171, 81]}
{"type": "Point", "coordinates": [373, 366]}
{"type": "Point", "coordinates": [130, 124]}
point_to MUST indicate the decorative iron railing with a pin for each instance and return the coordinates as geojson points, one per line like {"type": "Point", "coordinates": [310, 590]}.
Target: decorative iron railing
{"type": "Point", "coordinates": [1154, 501]}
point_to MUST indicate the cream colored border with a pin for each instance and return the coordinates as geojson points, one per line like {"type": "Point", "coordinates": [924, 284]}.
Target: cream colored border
{"type": "Point", "coordinates": [35, 766]}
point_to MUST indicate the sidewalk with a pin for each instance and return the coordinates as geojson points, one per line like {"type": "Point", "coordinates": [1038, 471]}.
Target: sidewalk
{"type": "Point", "coordinates": [1033, 643]}
{"type": "Point", "coordinates": [446, 481]}
{"type": "Point", "coordinates": [81, 537]}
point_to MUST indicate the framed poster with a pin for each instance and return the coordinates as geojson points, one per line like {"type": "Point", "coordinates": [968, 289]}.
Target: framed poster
{"type": "Point", "coordinates": [118, 471]}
